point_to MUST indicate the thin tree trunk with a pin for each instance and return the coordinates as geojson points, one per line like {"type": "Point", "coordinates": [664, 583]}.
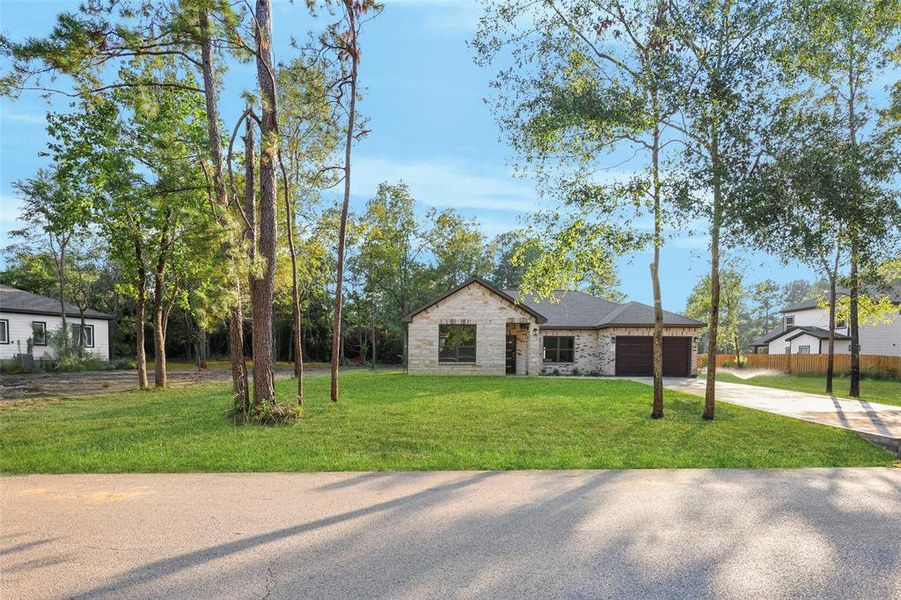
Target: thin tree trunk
{"type": "Point", "coordinates": [263, 292]}
{"type": "Point", "coordinates": [159, 336]}
{"type": "Point", "coordinates": [830, 358]}
{"type": "Point", "coordinates": [140, 353]}
{"type": "Point", "coordinates": [372, 336]}
{"type": "Point", "coordinates": [342, 231]}
{"type": "Point", "coordinates": [854, 391]}
{"type": "Point", "coordinates": [854, 323]}
{"type": "Point", "coordinates": [240, 389]}
{"type": "Point", "coordinates": [657, 410]}
{"type": "Point", "coordinates": [296, 338]}
{"type": "Point", "coordinates": [713, 326]}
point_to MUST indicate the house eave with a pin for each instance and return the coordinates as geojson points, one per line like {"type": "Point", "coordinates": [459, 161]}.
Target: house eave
{"type": "Point", "coordinates": [50, 313]}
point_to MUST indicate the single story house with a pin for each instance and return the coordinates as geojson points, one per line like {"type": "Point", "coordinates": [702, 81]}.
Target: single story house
{"type": "Point", "coordinates": [27, 320]}
{"type": "Point", "coordinates": [805, 330]}
{"type": "Point", "coordinates": [478, 329]}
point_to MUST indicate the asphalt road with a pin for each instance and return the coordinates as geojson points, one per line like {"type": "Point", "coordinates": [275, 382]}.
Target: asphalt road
{"type": "Point", "coordinates": [814, 533]}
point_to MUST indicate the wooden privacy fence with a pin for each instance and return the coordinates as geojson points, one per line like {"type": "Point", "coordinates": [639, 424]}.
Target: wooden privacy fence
{"type": "Point", "coordinates": [813, 364]}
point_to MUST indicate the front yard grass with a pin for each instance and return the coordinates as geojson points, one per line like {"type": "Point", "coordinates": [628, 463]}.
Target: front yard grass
{"type": "Point", "coordinates": [392, 421]}
{"type": "Point", "coordinates": [884, 391]}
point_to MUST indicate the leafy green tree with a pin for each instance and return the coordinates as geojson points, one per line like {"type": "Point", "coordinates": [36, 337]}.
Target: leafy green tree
{"type": "Point", "coordinates": [309, 136]}
{"type": "Point", "coordinates": [387, 266]}
{"type": "Point", "coordinates": [458, 248]}
{"type": "Point", "coordinates": [56, 208]}
{"type": "Point", "coordinates": [733, 298]}
{"type": "Point", "coordinates": [587, 79]}
{"type": "Point", "coordinates": [841, 47]}
{"type": "Point", "coordinates": [726, 107]}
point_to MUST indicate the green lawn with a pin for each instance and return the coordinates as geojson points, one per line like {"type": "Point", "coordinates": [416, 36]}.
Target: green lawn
{"type": "Point", "coordinates": [872, 390]}
{"type": "Point", "coordinates": [392, 421]}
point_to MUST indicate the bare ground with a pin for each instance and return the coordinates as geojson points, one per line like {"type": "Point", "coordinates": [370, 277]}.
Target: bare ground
{"type": "Point", "coordinates": [72, 385]}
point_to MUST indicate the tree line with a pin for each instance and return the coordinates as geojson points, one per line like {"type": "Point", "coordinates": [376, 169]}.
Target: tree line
{"type": "Point", "coordinates": [755, 117]}
{"type": "Point", "coordinates": [774, 123]}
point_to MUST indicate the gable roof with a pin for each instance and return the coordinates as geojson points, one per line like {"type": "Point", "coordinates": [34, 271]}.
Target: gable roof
{"type": "Point", "coordinates": [538, 316]}
{"type": "Point", "coordinates": [769, 336]}
{"type": "Point", "coordinates": [572, 309]}
{"type": "Point", "coordinates": [816, 332]}
{"type": "Point", "coordinates": [797, 330]}
{"type": "Point", "coordinates": [892, 291]}
{"type": "Point", "coordinates": [14, 300]}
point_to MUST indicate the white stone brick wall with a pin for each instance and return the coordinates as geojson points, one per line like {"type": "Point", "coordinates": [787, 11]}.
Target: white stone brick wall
{"type": "Point", "coordinates": [494, 317]}
{"type": "Point", "coordinates": [587, 356]}
{"type": "Point", "coordinates": [478, 306]}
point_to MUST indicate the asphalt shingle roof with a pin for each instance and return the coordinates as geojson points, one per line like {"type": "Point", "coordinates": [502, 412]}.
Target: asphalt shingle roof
{"type": "Point", "coordinates": [19, 301]}
{"type": "Point", "coordinates": [577, 309]}
{"type": "Point", "coordinates": [817, 332]}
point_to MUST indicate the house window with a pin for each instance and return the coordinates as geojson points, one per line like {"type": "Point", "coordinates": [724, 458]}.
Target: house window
{"type": "Point", "coordinates": [803, 349]}
{"type": "Point", "coordinates": [788, 349]}
{"type": "Point", "coordinates": [789, 321]}
{"type": "Point", "coordinates": [559, 348]}
{"type": "Point", "coordinates": [457, 343]}
{"type": "Point", "coordinates": [4, 331]}
{"type": "Point", "coordinates": [83, 337]}
{"type": "Point", "coordinates": [39, 333]}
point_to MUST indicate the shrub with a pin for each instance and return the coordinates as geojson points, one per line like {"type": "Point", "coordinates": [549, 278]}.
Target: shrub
{"type": "Point", "coordinates": [275, 414]}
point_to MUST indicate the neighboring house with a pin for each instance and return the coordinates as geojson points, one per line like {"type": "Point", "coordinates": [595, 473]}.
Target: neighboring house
{"type": "Point", "coordinates": [25, 316]}
{"type": "Point", "coordinates": [805, 330]}
{"type": "Point", "coordinates": [476, 328]}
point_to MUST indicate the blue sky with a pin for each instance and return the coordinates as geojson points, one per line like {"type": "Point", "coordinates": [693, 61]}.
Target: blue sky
{"type": "Point", "coordinates": [430, 127]}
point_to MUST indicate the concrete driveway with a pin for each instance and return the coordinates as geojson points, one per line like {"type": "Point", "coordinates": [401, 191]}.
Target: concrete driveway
{"type": "Point", "coordinates": [809, 533]}
{"type": "Point", "coordinates": [879, 422]}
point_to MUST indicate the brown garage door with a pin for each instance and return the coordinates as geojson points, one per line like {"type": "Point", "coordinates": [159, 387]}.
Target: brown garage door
{"type": "Point", "coordinates": [635, 355]}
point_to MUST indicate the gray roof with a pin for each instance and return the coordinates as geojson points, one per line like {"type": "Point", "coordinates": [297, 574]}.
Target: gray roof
{"type": "Point", "coordinates": [892, 291]}
{"type": "Point", "coordinates": [816, 332]}
{"type": "Point", "coordinates": [768, 337]}
{"type": "Point", "coordinates": [797, 330]}
{"type": "Point", "coordinates": [14, 300]}
{"type": "Point", "coordinates": [575, 309]}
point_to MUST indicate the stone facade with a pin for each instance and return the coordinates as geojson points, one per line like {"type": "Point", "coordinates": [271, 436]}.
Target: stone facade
{"type": "Point", "coordinates": [493, 317]}
{"type": "Point", "coordinates": [587, 356]}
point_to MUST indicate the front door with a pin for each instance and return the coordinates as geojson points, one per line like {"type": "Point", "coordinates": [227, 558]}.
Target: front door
{"type": "Point", "coordinates": [511, 355]}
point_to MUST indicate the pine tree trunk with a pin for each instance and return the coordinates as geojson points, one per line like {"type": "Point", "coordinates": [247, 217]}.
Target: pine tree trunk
{"type": "Point", "coordinates": [342, 231]}
{"type": "Point", "coordinates": [236, 319]}
{"type": "Point", "coordinates": [296, 339]}
{"type": "Point", "coordinates": [263, 292]}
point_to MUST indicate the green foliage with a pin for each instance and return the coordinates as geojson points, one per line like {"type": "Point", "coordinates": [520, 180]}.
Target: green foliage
{"type": "Point", "coordinates": [733, 297]}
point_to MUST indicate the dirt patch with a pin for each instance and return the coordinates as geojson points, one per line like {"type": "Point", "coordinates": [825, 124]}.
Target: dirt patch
{"type": "Point", "coordinates": [72, 385]}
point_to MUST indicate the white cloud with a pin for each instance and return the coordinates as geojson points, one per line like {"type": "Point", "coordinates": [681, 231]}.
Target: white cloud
{"type": "Point", "coordinates": [444, 184]}
{"type": "Point", "coordinates": [23, 117]}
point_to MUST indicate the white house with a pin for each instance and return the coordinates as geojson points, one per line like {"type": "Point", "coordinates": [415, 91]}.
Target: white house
{"type": "Point", "coordinates": [28, 319]}
{"type": "Point", "coordinates": [805, 330]}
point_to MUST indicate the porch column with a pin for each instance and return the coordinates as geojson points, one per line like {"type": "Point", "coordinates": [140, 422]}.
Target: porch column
{"type": "Point", "coordinates": [533, 355]}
